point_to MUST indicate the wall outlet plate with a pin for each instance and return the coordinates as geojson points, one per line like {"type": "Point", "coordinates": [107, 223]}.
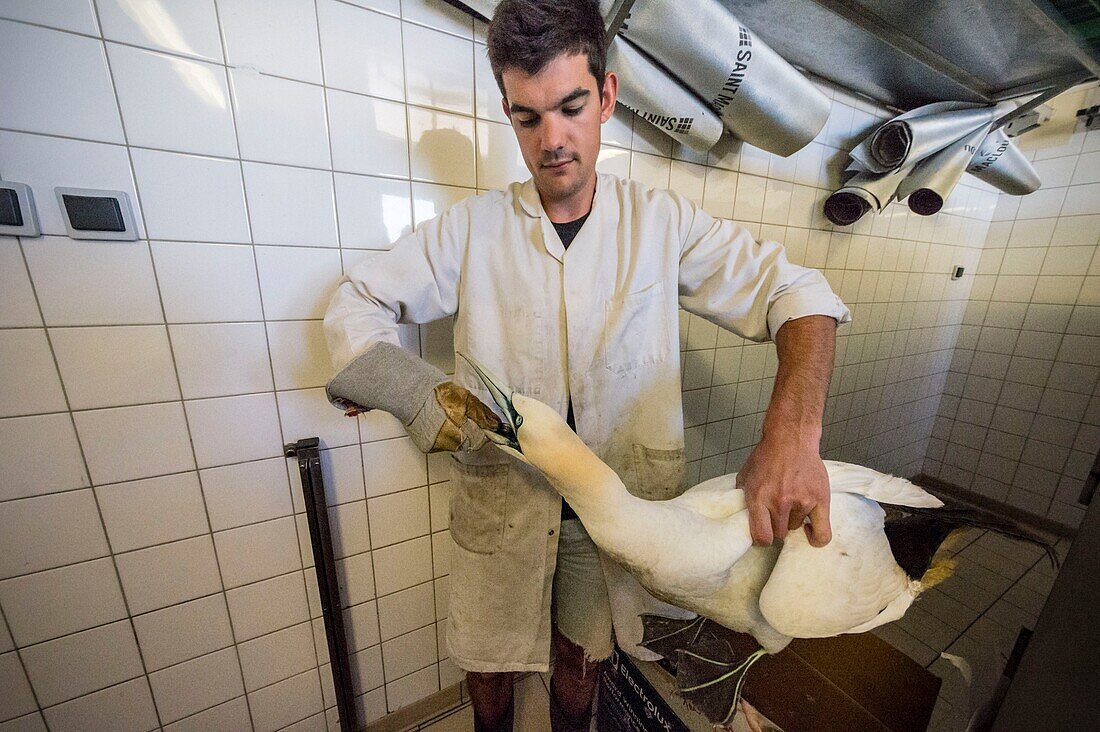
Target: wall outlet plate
{"type": "Point", "coordinates": [97, 214]}
{"type": "Point", "coordinates": [22, 217]}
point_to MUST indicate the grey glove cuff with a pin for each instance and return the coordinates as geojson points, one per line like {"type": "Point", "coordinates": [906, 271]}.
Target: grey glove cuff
{"type": "Point", "coordinates": [388, 377]}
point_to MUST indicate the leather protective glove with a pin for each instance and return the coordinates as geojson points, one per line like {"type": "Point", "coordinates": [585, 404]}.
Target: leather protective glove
{"type": "Point", "coordinates": [438, 414]}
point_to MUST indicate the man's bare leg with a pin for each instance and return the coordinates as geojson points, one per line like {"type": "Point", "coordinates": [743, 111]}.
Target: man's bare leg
{"type": "Point", "coordinates": [491, 695]}
{"type": "Point", "coordinates": [571, 685]}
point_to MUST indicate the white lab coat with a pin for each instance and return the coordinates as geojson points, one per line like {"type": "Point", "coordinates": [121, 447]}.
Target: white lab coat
{"type": "Point", "coordinates": [597, 323]}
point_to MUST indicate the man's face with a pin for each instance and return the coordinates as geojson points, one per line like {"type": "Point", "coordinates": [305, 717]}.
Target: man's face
{"type": "Point", "coordinates": [557, 115]}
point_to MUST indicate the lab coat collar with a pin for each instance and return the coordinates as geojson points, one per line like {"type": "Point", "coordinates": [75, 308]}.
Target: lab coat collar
{"type": "Point", "coordinates": [531, 202]}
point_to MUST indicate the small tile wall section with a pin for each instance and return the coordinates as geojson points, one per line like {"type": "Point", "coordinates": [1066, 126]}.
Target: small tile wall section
{"type": "Point", "coordinates": [155, 568]}
{"type": "Point", "coordinates": [1019, 422]}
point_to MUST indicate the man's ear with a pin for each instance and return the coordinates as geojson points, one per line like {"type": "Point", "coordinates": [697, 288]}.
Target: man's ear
{"type": "Point", "coordinates": [610, 94]}
{"type": "Point", "coordinates": [506, 108]}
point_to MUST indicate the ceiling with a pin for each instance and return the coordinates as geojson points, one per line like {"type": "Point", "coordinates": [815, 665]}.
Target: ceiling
{"type": "Point", "coordinates": [906, 53]}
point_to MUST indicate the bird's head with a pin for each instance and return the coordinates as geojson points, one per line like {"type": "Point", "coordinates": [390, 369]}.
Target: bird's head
{"type": "Point", "coordinates": [532, 431]}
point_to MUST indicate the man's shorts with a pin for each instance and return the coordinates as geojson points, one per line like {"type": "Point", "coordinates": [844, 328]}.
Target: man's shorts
{"type": "Point", "coordinates": [582, 611]}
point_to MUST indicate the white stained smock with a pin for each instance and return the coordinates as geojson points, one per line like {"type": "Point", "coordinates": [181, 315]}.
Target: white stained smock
{"type": "Point", "coordinates": [598, 325]}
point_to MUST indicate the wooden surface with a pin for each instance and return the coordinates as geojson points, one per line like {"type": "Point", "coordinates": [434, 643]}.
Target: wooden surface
{"type": "Point", "coordinates": [848, 683]}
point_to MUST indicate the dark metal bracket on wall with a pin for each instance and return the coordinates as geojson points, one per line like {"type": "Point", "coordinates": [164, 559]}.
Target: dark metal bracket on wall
{"type": "Point", "coordinates": [307, 451]}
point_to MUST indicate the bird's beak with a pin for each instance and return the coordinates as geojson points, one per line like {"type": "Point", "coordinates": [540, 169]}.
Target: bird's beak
{"type": "Point", "coordinates": [505, 435]}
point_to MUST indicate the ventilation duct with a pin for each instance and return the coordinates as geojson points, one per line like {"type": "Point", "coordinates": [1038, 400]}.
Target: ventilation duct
{"type": "Point", "coordinates": [760, 97]}
{"type": "Point", "coordinates": [933, 179]}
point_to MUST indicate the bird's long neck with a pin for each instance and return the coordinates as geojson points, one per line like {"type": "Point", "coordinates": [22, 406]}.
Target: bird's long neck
{"type": "Point", "coordinates": [592, 488]}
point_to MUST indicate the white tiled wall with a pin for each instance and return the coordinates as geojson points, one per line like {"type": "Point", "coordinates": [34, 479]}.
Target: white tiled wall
{"type": "Point", "coordinates": [155, 570]}
{"type": "Point", "coordinates": [1019, 422]}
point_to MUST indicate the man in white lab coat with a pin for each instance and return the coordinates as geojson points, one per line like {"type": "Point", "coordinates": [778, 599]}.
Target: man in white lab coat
{"type": "Point", "coordinates": [568, 286]}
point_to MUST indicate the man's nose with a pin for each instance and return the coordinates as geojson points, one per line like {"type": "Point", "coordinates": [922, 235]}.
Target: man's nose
{"type": "Point", "coordinates": [553, 134]}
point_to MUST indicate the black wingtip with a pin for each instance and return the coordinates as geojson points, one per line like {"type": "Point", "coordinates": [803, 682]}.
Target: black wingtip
{"type": "Point", "coordinates": [915, 534]}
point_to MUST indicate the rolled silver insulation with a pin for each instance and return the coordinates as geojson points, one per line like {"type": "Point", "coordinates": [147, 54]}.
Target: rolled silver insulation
{"type": "Point", "coordinates": [862, 193]}
{"type": "Point", "coordinates": [659, 99]}
{"type": "Point", "coordinates": [760, 97]}
{"type": "Point", "coordinates": [933, 179]}
{"type": "Point", "coordinates": [1000, 163]}
{"type": "Point", "coordinates": [924, 131]}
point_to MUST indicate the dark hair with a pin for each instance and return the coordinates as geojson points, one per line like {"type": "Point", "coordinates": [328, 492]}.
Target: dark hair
{"type": "Point", "coordinates": [528, 34]}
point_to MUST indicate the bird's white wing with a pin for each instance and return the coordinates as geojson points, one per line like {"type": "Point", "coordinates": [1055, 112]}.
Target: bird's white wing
{"type": "Point", "coordinates": [821, 592]}
{"type": "Point", "coordinates": [882, 487]}
{"type": "Point", "coordinates": [716, 498]}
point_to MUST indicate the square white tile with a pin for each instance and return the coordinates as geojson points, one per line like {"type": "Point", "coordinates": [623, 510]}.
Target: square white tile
{"type": "Point", "coordinates": [374, 212]}
{"type": "Point", "coordinates": [228, 715]}
{"type": "Point", "coordinates": [439, 70]}
{"type": "Point", "coordinates": [125, 706]}
{"type": "Point", "coordinates": [18, 698]}
{"type": "Point", "coordinates": [273, 36]}
{"type": "Point", "coordinates": [356, 579]}
{"type": "Point", "coordinates": [431, 200]}
{"type": "Point", "coordinates": [393, 465]}
{"type": "Point", "coordinates": [264, 607]}
{"type": "Point", "coordinates": [29, 375]}
{"type": "Point", "coordinates": [441, 147]}
{"type": "Point", "coordinates": [104, 283]}
{"type": "Point", "coordinates": [18, 305]}
{"type": "Point", "coordinates": [182, 632]}
{"type": "Point", "coordinates": [127, 443]}
{"type": "Point", "coordinates": [277, 656]}
{"type": "Point", "coordinates": [297, 282]}
{"type": "Point", "coordinates": [246, 493]}
{"type": "Point", "coordinates": [398, 517]}
{"type": "Point", "coordinates": [81, 663]}
{"type": "Point", "coordinates": [234, 429]}
{"type": "Point", "coordinates": [221, 359]}
{"type": "Point", "coordinates": [189, 197]}
{"type": "Point", "coordinates": [71, 519]}
{"type": "Point", "coordinates": [439, 15]}
{"type": "Point", "coordinates": [152, 511]}
{"type": "Point", "coordinates": [499, 161]}
{"type": "Point", "coordinates": [307, 413]}
{"type": "Point", "coordinates": [400, 566]}
{"type": "Point", "coordinates": [207, 282]}
{"type": "Point", "coordinates": [44, 66]}
{"type": "Point", "coordinates": [408, 653]}
{"type": "Point", "coordinates": [407, 610]}
{"type": "Point", "coordinates": [361, 50]}
{"type": "Point", "coordinates": [60, 601]}
{"type": "Point", "coordinates": [487, 100]}
{"type": "Point", "coordinates": [275, 706]}
{"type": "Point", "coordinates": [272, 111]}
{"type": "Point", "coordinates": [369, 135]}
{"type": "Point", "coordinates": [168, 574]}
{"type": "Point", "coordinates": [116, 366]}
{"type": "Point", "coordinates": [56, 465]}
{"type": "Point", "coordinates": [74, 15]}
{"type": "Point", "coordinates": [362, 626]}
{"type": "Point", "coordinates": [196, 685]}
{"type": "Point", "coordinates": [348, 527]}
{"type": "Point", "coordinates": [299, 354]}
{"type": "Point", "coordinates": [259, 551]}
{"type": "Point", "coordinates": [186, 27]}
{"type": "Point", "coordinates": [290, 205]}
{"type": "Point", "coordinates": [173, 103]}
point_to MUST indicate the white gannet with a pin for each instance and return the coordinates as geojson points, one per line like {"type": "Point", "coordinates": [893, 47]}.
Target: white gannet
{"type": "Point", "coordinates": [695, 551]}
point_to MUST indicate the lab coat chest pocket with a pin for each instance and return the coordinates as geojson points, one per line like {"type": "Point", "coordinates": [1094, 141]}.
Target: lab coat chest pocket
{"type": "Point", "coordinates": [659, 474]}
{"type": "Point", "coordinates": [478, 505]}
{"type": "Point", "coordinates": [635, 330]}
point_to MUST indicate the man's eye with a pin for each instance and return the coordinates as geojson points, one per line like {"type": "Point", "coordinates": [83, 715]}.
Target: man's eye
{"type": "Point", "coordinates": [573, 111]}
{"type": "Point", "coordinates": [531, 122]}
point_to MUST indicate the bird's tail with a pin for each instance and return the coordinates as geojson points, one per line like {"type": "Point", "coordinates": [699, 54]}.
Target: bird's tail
{"type": "Point", "coordinates": [916, 534]}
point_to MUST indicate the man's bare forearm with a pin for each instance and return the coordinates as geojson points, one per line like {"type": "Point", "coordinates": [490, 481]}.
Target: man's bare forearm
{"type": "Point", "coordinates": [806, 347]}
